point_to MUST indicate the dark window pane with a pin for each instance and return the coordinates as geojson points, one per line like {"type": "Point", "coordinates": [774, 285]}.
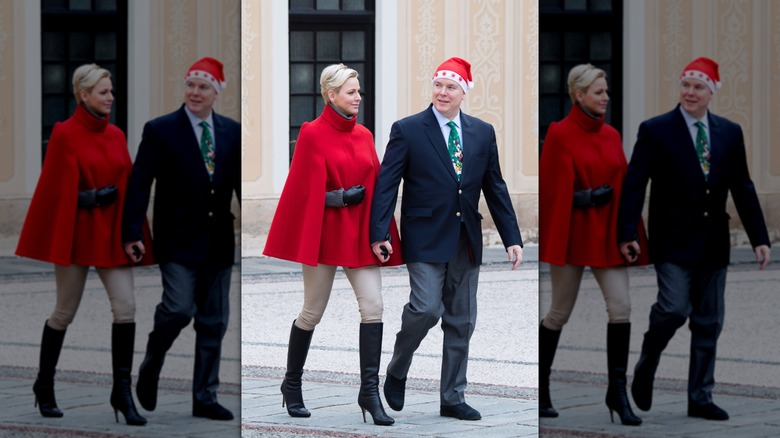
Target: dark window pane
{"type": "Point", "coordinates": [319, 106]}
{"type": "Point", "coordinates": [549, 110]}
{"type": "Point", "coordinates": [301, 4]}
{"type": "Point", "coordinates": [575, 5]}
{"type": "Point", "coordinates": [331, 5]}
{"type": "Point", "coordinates": [53, 46]}
{"type": "Point", "coordinates": [550, 80]}
{"type": "Point", "coordinates": [361, 69]}
{"type": "Point", "coordinates": [302, 78]}
{"type": "Point", "coordinates": [53, 4]}
{"type": "Point", "coordinates": [600, 46]}
{"type": "Point", "coordinates": [301, 110]}
{"type": "Point", "coordinates": [328, 46]}
{"type": "Point", "coordinates": [301, 46]}
{"type": "Point", "coordinates": [353, 46]}
{"type": "Point", "coordinates": [549, 46]}
{"type": "Point", "coordinates": [105, 5]}
{"type": "Point", "coordinates": [550, 4]}
{"type": "Point", "coordinates": [105, 45]}
{"type": "Point", "coordinates": [54, 110]}
{"type": "Point", "coordinates": [354, 5]}
{"type": "Point", "coordinates": [600, 5]}
{"type": "Point", "coordinates": [575, 44]}
{"type": "Point", "coordinates": [81, 45]}
{"type": "Point", "coordinates": [55, 79]}
{"type": "Point", "coordinates": [80, 5]}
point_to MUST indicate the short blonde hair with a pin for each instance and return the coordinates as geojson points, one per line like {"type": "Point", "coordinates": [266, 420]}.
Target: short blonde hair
{"type": "Point", "coordinates": [580, 78]}
{"type": "Point", "coordinates": [333, 77]}
{"type": "Point", "coordinates": [85, 77]}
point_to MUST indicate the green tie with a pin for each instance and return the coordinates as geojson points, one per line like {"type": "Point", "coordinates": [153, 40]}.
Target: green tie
{"type": "Point", "coordinates": [207, 148]}
{"type": "Point", "coordinates": [456, 153]}
{"type": "Point", "coordinates": [703, 149]}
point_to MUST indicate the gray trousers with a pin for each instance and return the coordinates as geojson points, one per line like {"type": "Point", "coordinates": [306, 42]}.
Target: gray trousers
{"type": "Point", "coordinates": [201, 293]}
{"type": "Point", "coordinates": [689, 293]}
{"type": "Point", "coordinates": [447, 291]}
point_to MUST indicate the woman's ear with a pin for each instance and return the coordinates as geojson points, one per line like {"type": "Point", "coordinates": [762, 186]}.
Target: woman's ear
{"type": "Point", "coordinates": [331, 96]}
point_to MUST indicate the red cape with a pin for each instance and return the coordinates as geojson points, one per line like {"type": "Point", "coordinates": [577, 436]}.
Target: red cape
{"type": "Point", "coordinates": [331, 153]}
{"type": "Point", "coordinates": [83, 153]}
{"type": "Point", "coordinates": [580, 152]}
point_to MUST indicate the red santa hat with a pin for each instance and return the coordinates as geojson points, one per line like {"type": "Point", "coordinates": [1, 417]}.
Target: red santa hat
{"type": "Point", "coordinates": [458, 70]}
{"type": "Point", "coordinates": [705, 70]}
{"type": "Point", "coordinates": [208, 69]}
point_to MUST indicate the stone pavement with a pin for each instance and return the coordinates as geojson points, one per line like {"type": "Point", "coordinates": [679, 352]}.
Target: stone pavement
{"type": "Point", "coordinates": [502, 367]}
{"type": "Point", "coordinates": [747, 371]}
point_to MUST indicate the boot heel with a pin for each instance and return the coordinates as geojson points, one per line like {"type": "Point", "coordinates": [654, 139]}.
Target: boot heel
{"type": "Point", "coordinates": [364, 414]}
{"type": "Point", "coordinates": [116, 416]}
{"type": "Point", "coordinates": [611, 417]}
{"type": "Point", "coordinates": [283, 399]}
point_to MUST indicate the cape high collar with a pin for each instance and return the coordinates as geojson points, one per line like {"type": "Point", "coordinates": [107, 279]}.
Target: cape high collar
{"type": "Point", "coordinates": [337, 121]}
{"type": "Point", "coordinates": [89, 121]}
{"type": "Point", "coordinates": [585, 121]}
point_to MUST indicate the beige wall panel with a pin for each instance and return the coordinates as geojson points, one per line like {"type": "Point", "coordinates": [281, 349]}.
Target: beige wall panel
{"type": "Point", "coordinates": [773, 88]}
{"type": "Point", "coordinates": [228, 52]}
{"type": "Point", "coordinates": [7, 78]}
{"type": "Point", "coordinates": [251, 54]}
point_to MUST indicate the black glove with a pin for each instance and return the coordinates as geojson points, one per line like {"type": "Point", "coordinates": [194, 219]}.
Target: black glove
{"type": "Point", "coordinates": [98, 197]}
{"type": "Point", "coordinates": [354, 195]}
{"type": "Point", "coordinates": [592, 197]}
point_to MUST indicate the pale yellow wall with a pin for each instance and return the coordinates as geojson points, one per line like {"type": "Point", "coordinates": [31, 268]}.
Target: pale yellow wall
{"type": "Point", "coordinates": [7, 78]}
{"type": "Point", "coordinates": [744, 38]}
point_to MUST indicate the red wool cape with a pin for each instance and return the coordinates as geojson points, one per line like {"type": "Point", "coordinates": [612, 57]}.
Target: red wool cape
{"type": "Point", "coordinates": [84, 153]}
{"type": "Point", "coordinates": [331, 153]}
{"type": "Point", "coordinates": [580, 152]}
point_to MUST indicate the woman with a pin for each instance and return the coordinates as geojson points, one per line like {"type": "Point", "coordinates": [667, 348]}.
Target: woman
{"type": "Point", "coordinates": [74, 221]}
{"type": "Point", "coordinates": [322, 222]}
{"type": "Point", "coordinates": [581, 173]}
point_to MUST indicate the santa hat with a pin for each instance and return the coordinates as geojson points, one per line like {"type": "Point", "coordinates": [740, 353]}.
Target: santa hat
{"type": "Point", "coordinates": [705, 70]}
{"type": "Point", "coordinates": [458, 70]}
{"type": "Point", "coordinates": [208, 69]}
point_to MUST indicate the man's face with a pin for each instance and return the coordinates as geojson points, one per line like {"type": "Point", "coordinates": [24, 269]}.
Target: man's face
{"type": "Point", "coordinates": [447, 97]}
{"type": "Point", "coordinates": [695, 97]}
{"type": "Point", "coordinates": [199, 96]}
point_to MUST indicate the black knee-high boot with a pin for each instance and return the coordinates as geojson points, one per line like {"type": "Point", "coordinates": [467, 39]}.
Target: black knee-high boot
{"type": "Point", "coordinates": [296, 357]}
{"type": "Point", "coordinates": [122, 345]}
{"type": "Point", "coordinates": [370, 355]}
{"type": "Point", "coordinates": [618, 337]}
{"type": "Point", "coordinates": [548, 343]}
{"type": "Point", "coordinates": [51, 345]}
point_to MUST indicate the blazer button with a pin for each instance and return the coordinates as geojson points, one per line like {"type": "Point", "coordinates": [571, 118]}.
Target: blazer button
{"type": "Point", "coordinates": [457, 214]}
{"type": "Point", "coordinates": [707, 191]}
{"type": "Point", "coordinates": [212, 191]}
{"type": "Point", "coordinates": [706, 214]}
{"type": "Point", "coordinates": [460, 191]}
{"type": "Point", "coordinates": [211, 214]}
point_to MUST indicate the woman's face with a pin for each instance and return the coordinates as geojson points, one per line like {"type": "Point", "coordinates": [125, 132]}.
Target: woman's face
{"type": "Point", "coordinates": [347, 100]}
{"type": "Point", "coordinates": [100, 99]}
{"type": "Point", "coordinates": [594, 99]}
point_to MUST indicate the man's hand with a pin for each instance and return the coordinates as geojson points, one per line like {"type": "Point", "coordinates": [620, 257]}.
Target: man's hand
{"type": "Point", "coordinates": [379, 247]}
{"type": "Point", "coordinates": [515, 255]}
{"type": "Point", "coordinates": [630, 251]}
{"type": "Point", "coordinates": [135, 251]}
{"type": "Point", "coordinates": [762, 255]}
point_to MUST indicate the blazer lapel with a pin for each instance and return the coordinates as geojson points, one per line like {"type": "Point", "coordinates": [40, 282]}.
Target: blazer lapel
{"type": "Point", "coordinates": [717, 152]}
{"type": "Point", "coordinates": [687, 148]}
{"type": "Point", "coordinates": [433, 132]}
{"type": "Point", "coordinates": [470, 144]}
{"type": "Point", "coordinates": [189, 145]}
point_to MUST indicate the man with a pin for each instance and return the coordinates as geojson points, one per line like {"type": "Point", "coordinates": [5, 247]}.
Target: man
{"type": "Point", "coordinates": [441, 235]}
{"type": "Point", "coordinates": [194, 156]}
{"type": "Point", "coordinates": [694, 159]}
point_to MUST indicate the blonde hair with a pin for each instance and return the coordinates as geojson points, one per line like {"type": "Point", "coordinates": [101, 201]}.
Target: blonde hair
{"type": "Point", "coordinates": [85, 77]}
{"type": "Point", "coordinates": [580, 78]}
{"type": "Point", "coordinates": [333, 77]}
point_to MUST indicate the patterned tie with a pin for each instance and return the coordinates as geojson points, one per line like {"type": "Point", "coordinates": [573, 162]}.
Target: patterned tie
{"type": "Point", "coordinates": [207, 148]}
{"type": "Point", "coordinates": [703, 149]}
{"type": "Point", "coordinates": [456, 153]}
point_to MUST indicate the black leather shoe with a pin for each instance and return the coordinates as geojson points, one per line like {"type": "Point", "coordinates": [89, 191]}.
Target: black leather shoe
{"type": "Point", "coordinates": [213, 411]}
{"type": "Point", "coordinates": [642, 391]}
{"type": "Point", "coordinates": [460, 411]}
{"type": "Point", "coordinates": [394, 392]}
{"type": "Point", "coordinates": [146, 390]}
{"type": "Point", "coordinates": [710, 411]}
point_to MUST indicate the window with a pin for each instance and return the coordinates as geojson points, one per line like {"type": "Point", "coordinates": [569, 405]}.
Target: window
{"type": "Point", "coordinates": [573, 32]}
{"type": "Point", "coordinates": [325, 32]}
{"type": "Point", "coordinates": [77, 32]}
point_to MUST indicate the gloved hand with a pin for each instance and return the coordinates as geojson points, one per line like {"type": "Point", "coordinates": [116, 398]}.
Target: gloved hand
{"type": "Point", "coordinates": [106, 195]}
{"type": "Point", "coordinates": [601, 195]}
{"type": "Point", "coordinates": [354, 195]}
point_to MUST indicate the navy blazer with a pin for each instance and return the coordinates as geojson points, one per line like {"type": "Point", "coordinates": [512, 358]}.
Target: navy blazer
{"type": "Point", "coordinates": [192, 221]}
{"type": "Point", "coordinates": [434, 201]}
{"type": "Point", "coordinates": [688, 222]}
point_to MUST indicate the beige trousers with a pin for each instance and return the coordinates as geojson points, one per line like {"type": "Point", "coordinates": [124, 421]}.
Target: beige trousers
{"type": "Point", "coordinates": [317, 285]}
{"type": "Point", "coordinates": [70, 288]}
{"type": "Point", "coordinates": [566, 285]}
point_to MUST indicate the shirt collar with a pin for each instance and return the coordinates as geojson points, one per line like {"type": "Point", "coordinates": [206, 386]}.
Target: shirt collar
{"type": "Point", "coordinates": [195, 120]}
{"type": "Point", "coordinates": [690, 120]}
{"type": "Point", "coordinates": [444, 120]}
